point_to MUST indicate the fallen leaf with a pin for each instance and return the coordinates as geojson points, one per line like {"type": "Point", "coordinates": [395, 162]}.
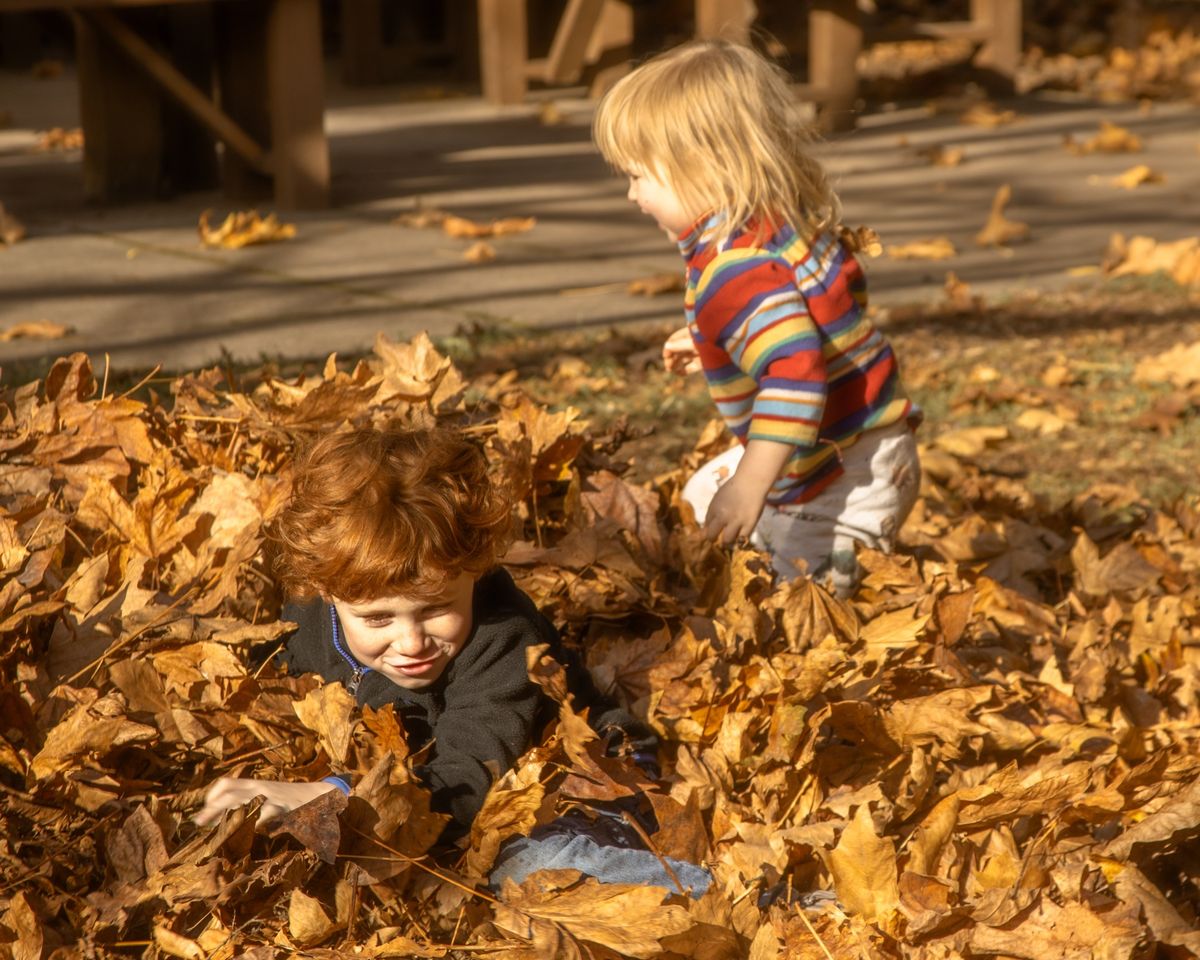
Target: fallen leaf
{"type": "Point", "coordinates": [657, 284]}
{"type": "Point", "coordinates": [11, 229]}
{"type": "Point", "coordinates": [1110, 139]}
{"type": "Point", "coordinates": [1136, 176]}
{"type": "Point", "coordinates": [999, 230]}
{"type": "Point", "coordinates": [35, 330]}
{"type": "Point", "coordinates": [939, 248]}
{"type": "Point", "coordinates": [479, 252]}
{"type": "Point", "coordinates": [244, 228]}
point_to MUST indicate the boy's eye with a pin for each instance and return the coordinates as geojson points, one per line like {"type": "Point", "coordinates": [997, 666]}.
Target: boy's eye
{"type": "Point", "coordinates": [432, 613]}
{"type": "Point", "coordinates": [377, 620]}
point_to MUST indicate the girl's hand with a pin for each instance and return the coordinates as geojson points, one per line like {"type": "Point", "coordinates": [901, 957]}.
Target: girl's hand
{"type": "Point", "coordinates": [679, 353]}
{"type": "Point", "coordinates": [738, 503]}
{"type": "Point", "coordinates": [230, 792]}
{"type": "Point", "coordinates": [734, 510]}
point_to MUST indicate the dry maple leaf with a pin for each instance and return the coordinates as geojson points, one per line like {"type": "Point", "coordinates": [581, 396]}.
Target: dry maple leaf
{"type": "Point", "coordinates": [999, 231]}
{"type": "Point", "coordinates": [1143, 256]}
{"type": "Point", "coordinates": [1136, 176]}
{"type": "Point", "coordinates": [1110, 139]}
{"type": "Point", "coordinates": [244, 228]}
{"type": "Point", "coordinates": [35, 330]}
{"type": "Point", "coordinates": [986, 114]}
{"type": "Point", "coordinates": [940, 155]}
{"type": "Point", "coordinates": [479, 252]}
{"type": "Point", "coordinates": [421, 218]}
{"type": "Point", "coordinates": [657, 284]}
{"type": "Point", "coordinates": [461, 227]}
{"type": "Point", "coordinates": [11, 229]}
{"type": "Point", "coordinates": [862, 240]}
{"type": "Point", "coordinates": [938, 248]}
{"type": "Point", "coordinates": [57, 138]}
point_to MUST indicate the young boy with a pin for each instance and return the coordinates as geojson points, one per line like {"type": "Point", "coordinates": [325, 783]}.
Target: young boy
{"type": "Point", "coordinates": [390, 542]}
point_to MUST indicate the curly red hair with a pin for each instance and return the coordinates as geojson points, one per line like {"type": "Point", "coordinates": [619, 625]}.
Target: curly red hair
{"type": "Point", "coordinates": [391, 511]}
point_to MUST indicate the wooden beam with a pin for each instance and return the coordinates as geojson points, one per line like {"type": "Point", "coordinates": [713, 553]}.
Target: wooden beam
{"type": "Point", "coordinates": [503, 50]}
{"type": "Point", "coordinates": [179, 87]}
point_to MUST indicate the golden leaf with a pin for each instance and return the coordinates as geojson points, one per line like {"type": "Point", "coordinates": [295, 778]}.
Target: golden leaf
{"type": "Point", "coordinates": [999, 230]}
{"type": "Point", "coordinates": [657, 284]}
{"type": "Point", "coordinates": [939, 248]}
{"type": "Point", "coordinates": [630, 919]}
{"type": "Point", "coordinates": [863, 865]}
{"type": "Point", "coordinates": [327, 711]}
{"type": "Point", "coordinates": [243, 229]}
{"type": "Point", "coordinates": [35, 330]}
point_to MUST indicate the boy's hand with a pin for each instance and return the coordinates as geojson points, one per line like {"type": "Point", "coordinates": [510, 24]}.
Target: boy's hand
{"type": "Point", "coordinates": [738, 503]}
{"type": "Point", "coordinates": [679, 353]}
{"type": "Point", "coordinates": [230, 792]}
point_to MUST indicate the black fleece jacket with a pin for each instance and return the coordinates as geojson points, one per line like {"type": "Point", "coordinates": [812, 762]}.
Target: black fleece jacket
{"type": "Point", "coordinates": [484, 711]}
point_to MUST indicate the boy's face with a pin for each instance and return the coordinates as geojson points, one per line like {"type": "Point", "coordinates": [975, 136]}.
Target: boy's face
{"type": "Point", "coordinates": [410, 639]}
{"type": "Point", "coordinates": [658, 199]}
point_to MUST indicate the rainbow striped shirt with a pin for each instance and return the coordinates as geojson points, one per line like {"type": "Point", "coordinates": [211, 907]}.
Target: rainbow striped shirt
{"type": "Point", "coordinates": [781, 330]}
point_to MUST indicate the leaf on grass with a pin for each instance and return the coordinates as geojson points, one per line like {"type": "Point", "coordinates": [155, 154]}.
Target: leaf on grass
{"type": "Point", "coordinates": [243, 229]}
{"type": "Point", "coordinates": [1122, 568]}
{"type": "Point", "coordinates": [1179, 365]}
{"type": "Point", "coordinates": [999, 231]}
{"type": "Point", "coordinates": [35, 330]}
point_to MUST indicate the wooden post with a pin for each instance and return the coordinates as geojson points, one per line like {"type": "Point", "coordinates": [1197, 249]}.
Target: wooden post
{"type": "Point", "coordinates": [834, 42]}
{"type": "Point", "coordinates": [1001, 52]}
{"type": "Point", "coordinates": [503, 50]}
{"type": "Point", "coordinates": [296, 98]}
{"type": "Point", "coordinates": [725, 19]}
{"type": "Point", "coordinates": [363, 50]}
{"type": "Point", "coordinates": [121, 116]}
{"type": "Point", "coordinates": [242, 81]}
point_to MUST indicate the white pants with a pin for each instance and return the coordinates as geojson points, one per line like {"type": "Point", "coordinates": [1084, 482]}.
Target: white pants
{"type": "Point", "coordinates": [866, 504]}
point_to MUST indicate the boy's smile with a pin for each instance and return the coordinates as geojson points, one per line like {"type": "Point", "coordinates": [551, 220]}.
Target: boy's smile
{"type": "Point", "coordinates": [410, 639]}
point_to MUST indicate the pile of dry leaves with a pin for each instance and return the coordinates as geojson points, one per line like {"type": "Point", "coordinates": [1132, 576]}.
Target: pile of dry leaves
{"type": "Point", "coordinates": [993, 752]}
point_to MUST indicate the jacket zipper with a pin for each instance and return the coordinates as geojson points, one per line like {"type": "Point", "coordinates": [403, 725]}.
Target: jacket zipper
{"type": "Point", "coordinates": [359, 670]}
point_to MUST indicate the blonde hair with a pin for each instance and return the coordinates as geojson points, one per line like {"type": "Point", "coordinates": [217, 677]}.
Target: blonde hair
{"type": "Point", "coordinates": [720, 125]}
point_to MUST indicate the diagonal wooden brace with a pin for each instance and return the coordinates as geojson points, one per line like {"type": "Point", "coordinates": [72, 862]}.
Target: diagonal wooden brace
{"type": "Point", "coordinates": [180, 88]}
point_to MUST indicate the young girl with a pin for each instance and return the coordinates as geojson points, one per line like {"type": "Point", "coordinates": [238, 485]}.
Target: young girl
{"type": "Point", "coordinates": [709, 137]}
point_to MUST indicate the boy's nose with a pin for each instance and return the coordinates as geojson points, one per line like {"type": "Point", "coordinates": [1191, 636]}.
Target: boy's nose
{"type": "Point", "coordinates": [631, 193]}
{"type": "Point", "coordinates": [409, 640]}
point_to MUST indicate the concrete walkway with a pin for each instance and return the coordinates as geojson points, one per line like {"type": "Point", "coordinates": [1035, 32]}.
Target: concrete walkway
{"type": "Point", "coordinates": [134, 281]}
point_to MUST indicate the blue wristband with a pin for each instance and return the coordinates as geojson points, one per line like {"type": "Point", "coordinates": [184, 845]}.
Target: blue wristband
{"type": "Point", "coordinates": [338, 782]}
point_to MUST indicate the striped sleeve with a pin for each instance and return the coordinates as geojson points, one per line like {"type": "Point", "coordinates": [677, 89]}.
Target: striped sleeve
{"type": "Point", "coordinates": [747, 303]}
